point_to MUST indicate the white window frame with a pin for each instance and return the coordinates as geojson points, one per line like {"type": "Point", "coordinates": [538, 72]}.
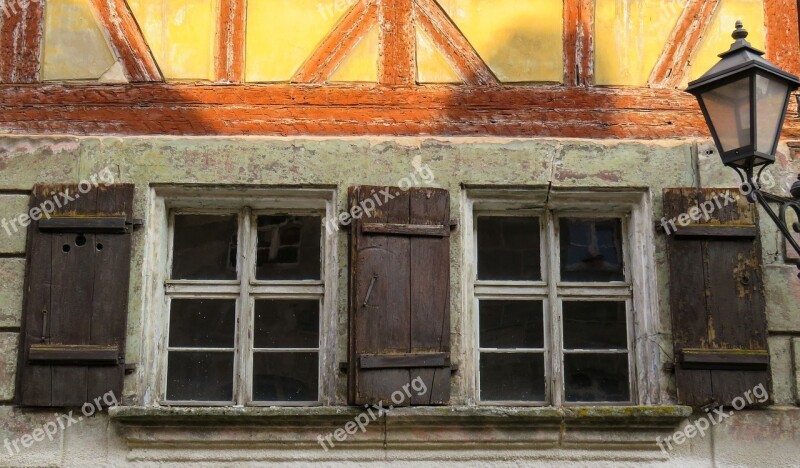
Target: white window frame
{"type": "Point", "coordinates": [158, 289]}
{"type": "Point", "coordinates": [638, 290]}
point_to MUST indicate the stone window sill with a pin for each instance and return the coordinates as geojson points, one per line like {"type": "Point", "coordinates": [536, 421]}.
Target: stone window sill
{"type": "Point", "coordinates": [419, 428]}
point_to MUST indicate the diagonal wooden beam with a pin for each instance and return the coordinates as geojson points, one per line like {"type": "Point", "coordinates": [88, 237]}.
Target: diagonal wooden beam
{"type": "Point", "coordinates": [398, 65]}
{"type": "Point", "coordinates": [452, 42]}
{"type": "Point", "coordinates": [671, 67]}
{"type": "Point", "coordinates": [578, 42]}
{"type": "Point", "coordinates": [335, 47]}
{"type": "Point", "coordinates": [230, 41]}
{"type": "Point", "coordinates": [20, 40]}
{"type": "Point", "coordinates": [127, 40]}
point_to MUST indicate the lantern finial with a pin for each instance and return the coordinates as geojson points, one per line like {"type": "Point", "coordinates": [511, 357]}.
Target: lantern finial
{"type": "Point", "coordinates": [740, 32]}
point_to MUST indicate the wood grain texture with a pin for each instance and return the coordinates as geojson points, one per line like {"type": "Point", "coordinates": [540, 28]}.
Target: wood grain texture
{"type": "Point", "coordinates": [452, 43]}
{"type": "Point", "coordinates": [184, 109]}
{"type": "Point", "coordinates": [398, 43]}
{"type": "Point", "coordinates": [578, 42]}
{"type": "Point", "coordinates": [21, 41]}
{"type": "Point", "coordinates": [127, 40]}
{"type": "Point", "coordinates": [335, 47]}
{"type": "Point", "coordinates": [77, 297]}
{"type": "Point", "coordinates": [717, 303]}
{"type": "Point", "coordinates": [229, 66]}
{"type": "Point", "coordinates": [671, 67]}
{"type": "Point", "coordinates": [782, 18]}
{"type": "Point", "coordinates": [399, 299]}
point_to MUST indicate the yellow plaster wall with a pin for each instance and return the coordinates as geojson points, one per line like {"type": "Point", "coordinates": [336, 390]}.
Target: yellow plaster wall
{"type": "Point", "coordinates": [520, 40]}
{"type": "Point", "coordinates": [718, 34]}
{"type": "Point", "coordinates": [361, 64]}
{"type": "Point", "coordinates": [181, 34]}
{"type": "Point", "coordinates": [282, 34]}
{"type": "Point", "coordinates": [74, 46]}
{"type": "Point", "coordinates": [630, 36]}
{"type": "Point", "coordinates": [432, 66]}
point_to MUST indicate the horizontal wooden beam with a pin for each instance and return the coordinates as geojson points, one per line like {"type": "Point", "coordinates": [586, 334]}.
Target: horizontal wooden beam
{"type": "Point", "coordinates": [84, 224]}
{"type": "Point", "coordinates": [188, 109]}
{"type": "Point", "coordinates": [432, 230]}
{"type": "Point", "coordinates": [391, 361]}
{"type": "Point", "coordinates": [73, 354]}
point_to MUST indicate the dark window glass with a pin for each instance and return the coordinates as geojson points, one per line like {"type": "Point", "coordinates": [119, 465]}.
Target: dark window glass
{"type": "Point", "coordinates": [285, 376]}
{"type": "Point", "coordinates": [511, 324]}
{"type": "Point", "coordinates": [289, 247]}
{"type": "Point", "coordinates": [512, 377]}
{"type": "Point", "coordinates": [595, 325]}
{"type": "Point", "coordinates": [284, 323]}
{"type": "Point", "coordinates": [204, 247]}
{"type": "Point", "coordinates": [508, 248]}
{"type": "Point", "coordinates": [591, 249]}
{"type": "Point", "coordinates": [200, 376]}
{"type": "Point", "coordinates": [596, 377]}
{"type": "Point", "coordinates": [207, 323]}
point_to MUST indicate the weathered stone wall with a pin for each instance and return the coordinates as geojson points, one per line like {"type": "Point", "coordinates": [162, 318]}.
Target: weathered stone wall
{"type": "Point", "coordinates": [749, 437]}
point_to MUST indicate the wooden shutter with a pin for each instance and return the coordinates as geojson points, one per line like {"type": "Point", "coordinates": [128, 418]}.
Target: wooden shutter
{"type": "Point", "coordinates": [400, 295]}
{"type": "Point", "coordinates": [719, 321]}
{"type": "Point", "coordinates": [76, 296]}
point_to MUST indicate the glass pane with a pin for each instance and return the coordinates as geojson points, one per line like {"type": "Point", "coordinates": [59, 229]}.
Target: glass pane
{"type": "Point", "coordinates": [729, 109]}
{"type": "Point", "coordinates": [205, 247]}
{"type": "Point", "coordinates": [287, 324]}
{"type": "Point", "coordinates": [770, 104]}
{"type": "Point", "coordinates": [596, 377]}
{"type": "Point", "coordinates": [512, 377]}
{"type": "Point", "coordinates": [511, 324]}
{"type": "Point", "coordinates": [207, 323]}
{"type": "Point", "coordinates": [200, 376]}
{"type": "Point", "coordinates": [289, 247]}
{"type": "Point", "coordinates": [508, 248]}
{"type": "Point", "coordinates": [285, 376]}
{"type": "Point", "coordinates": [595, 325]}
{"type": "Point", "coordinates": [591, 250]}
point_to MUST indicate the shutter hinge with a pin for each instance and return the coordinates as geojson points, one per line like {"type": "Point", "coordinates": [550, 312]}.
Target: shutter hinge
{"type": "Point", "coordinates": [136, 223]}
{"type": "Point", "coordinates": [658, 227]}
{"type": "Point", "coordinates": [343, 367]}
{"type": "Point", "coordinates": [130, 368]}
{"type": "Point", "coordinates": [453, 224]}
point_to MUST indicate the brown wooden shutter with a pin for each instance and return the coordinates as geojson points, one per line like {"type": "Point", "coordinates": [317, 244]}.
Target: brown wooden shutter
{"type": "Point", "coordinates": [400, 295]}
{"type": "Point", "coordinates": [76, 296]}
{"type": "Point", "coordinates": [719, 321]}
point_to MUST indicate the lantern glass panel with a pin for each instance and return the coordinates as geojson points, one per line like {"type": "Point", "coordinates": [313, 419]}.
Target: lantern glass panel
{"type": "Point", "coordinates": [770, 103]}
{"type": "Point", "coordinates": [728, 109]}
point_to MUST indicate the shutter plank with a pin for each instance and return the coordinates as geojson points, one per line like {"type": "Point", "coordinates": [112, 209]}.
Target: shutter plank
{"type": "Point", "coordinates": [34, 383]}
{"type": "Point", "coordinates": [109, 308]}
{"type": "Point", "coordinates": [430, 293]}
{"type": "Point", "coordinates": [73, 293]}
{"type": "Point", "coordinates": [382, 325]}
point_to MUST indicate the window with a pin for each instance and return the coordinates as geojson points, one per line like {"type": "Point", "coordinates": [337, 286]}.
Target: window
{"type": "Point", "coordinates": [245, 295]}
{"type": "Point", "coordinates": [552, 293]}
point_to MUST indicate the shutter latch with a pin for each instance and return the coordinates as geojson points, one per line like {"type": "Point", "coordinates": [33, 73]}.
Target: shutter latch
{"type": "Point", "coordinates": [369, 290]}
